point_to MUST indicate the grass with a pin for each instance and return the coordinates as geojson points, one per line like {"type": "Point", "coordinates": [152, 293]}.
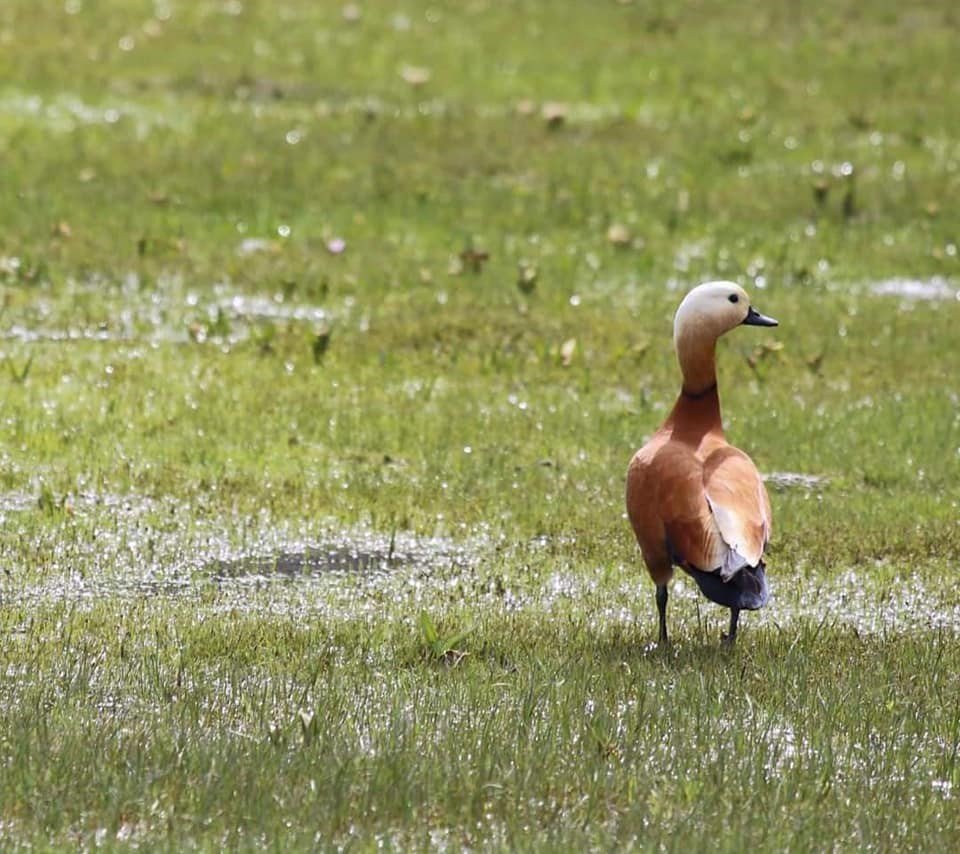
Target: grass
{"type": "Point", "coordinates": [199, 380]}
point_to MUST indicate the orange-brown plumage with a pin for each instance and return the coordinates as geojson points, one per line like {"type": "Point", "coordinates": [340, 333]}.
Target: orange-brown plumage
{"type": "Point", "coordinates": [694, 500]}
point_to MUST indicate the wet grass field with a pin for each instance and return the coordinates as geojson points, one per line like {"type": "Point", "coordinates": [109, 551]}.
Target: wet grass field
{"type": "Point", "coordinates": [328, 330]}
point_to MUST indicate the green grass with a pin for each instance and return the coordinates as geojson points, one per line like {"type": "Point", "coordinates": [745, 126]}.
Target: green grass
{"type": "Point", "coordinates": [181, 407]}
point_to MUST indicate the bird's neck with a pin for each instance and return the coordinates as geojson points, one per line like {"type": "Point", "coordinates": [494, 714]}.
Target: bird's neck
{"type": "Point", "coordinates": [697, 410]}
{"type": "Point", "coordinates": [697, 356]}
{"type": "Point", "coordinates": [695, 416]}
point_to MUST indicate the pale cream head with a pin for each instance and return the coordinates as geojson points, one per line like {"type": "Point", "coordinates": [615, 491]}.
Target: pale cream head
{"type": "Point", "coordinates": [706, 313]}
{"type": "Point", "coordinates": [710, 310]}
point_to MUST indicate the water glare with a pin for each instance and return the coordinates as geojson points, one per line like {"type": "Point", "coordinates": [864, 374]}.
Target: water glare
{"type": "Point", "coordinates": [310, 563]}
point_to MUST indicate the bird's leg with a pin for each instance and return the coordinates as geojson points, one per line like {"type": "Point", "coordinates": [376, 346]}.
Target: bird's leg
{"type": "Point", "coordinates": [662, 610]}
{"type": "Point", "coordinates": [730, 637]}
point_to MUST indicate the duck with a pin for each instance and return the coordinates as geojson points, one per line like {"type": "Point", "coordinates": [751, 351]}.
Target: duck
{"type": "Point", "coordinates": [694, 500]}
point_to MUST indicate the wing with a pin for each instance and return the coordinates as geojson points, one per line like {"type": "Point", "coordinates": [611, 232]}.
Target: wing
{"type": "Point", "coordinates": [739, 505]}
{"type": "Point", "coordinates": [688, 520]}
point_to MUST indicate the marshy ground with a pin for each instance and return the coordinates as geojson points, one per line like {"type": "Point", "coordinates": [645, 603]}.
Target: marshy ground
{"type": "Point", "coordinates": [328, 331]}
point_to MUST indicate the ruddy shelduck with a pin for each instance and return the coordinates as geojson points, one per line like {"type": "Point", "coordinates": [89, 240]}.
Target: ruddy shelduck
{"type": "Point", "coordinates": [694, 500]}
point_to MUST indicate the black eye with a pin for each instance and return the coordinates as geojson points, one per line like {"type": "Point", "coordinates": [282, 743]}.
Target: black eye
{"type": "Point", "coordinates": [733, 298]}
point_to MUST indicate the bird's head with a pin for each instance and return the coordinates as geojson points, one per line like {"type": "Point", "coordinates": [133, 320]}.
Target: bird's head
{"type": "Point", "coordinates": [713, 308]}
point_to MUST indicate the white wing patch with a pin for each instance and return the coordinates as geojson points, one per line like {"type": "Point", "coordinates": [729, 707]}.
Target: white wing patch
{"type": "Point", "coordinates": [738, 553]}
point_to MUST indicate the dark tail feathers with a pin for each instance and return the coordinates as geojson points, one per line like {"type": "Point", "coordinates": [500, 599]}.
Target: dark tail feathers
{"type": "Point", "coordinates": [746, 590]}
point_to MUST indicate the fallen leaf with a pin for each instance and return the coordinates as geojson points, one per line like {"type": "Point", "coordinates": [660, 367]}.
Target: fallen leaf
{"type": "Point", "coordinates": [815, 362]}
{"type": "Point", "coordinates": [474, 258]}
{"type": "Point", "coordinates": [554, 113]}
{"type": "Point", "coordinates": [820, 190]}
{"type": "Point", "coordinates": [849, 203]}
{"type": "Point", "coordinates": [527, 277]}
{"type": "Point", "coordinates": [567, 350]}
{"type": "Point", "coordinates": [61, 229]}
{"type": "Point", "coordinates": [321, 343]}
{"type": "Point", "coordinates": [619, 235]}
{"type": "Point", "coordinates": [415, 75]}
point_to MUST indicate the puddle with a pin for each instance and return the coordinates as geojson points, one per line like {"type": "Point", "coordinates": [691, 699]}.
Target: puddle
{"type": "Point", "coordinates": [37, 498]}
{"type": "Point", "coordinates": [937, 288]}
{"type": "Point", "coordinates": [132, 548]}
{"type": "Point", "coordinates": [853, 598]}
{"type": "Point", "coordinates": [65, 113]}
{"type": "Point", "coordinates": [29, 335]}
{"type": "Point", "coordinates": [165, 312]}
{"type": "Point", "coordinates": [310, 563]}
{"type": "Point", "coordinates": [266, 308]}
{"type": "Point", "coordinates": [356, 575]}
{"type": "Point", "coordinates": [17, 502]}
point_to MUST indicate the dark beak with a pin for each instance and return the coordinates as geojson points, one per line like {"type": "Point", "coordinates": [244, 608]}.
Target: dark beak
{"type": "Point", "coordinates": [754, 318]}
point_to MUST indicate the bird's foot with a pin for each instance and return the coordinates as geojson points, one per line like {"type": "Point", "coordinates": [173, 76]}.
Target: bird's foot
{"type": "Point", "coordinates": [730, 638]}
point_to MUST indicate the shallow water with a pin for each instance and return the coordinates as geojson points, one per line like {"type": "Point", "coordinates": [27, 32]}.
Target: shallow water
{"type": "Point", "coordinates": [131, 547]}
{"type": "Point", "coordinates": [166, 312]}
{"type": "Point", "coordinates": [64, 112]}
{"type": "Point", "coordinates": [310, 562]}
